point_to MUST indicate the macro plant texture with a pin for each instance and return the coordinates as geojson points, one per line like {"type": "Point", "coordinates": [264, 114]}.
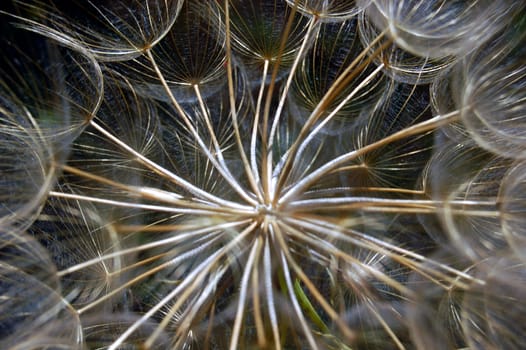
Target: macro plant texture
{"type": "Point", "coordinates": [263, 174]}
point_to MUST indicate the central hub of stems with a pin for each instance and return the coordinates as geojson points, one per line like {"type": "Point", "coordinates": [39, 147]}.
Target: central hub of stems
{"type": "Point", "coordinates": [265, 209]}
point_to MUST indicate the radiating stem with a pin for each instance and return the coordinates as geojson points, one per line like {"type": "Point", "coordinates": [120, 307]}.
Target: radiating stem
{"type": "Point", "coordinates": [188, 123]}
{"type": "Point", "coordinates": [404, 256]}
{"type": "Point", "coordinates": [333, 113]}
{"type": "Point", "coordinates": [384, 324]}
{"type": "Point", "coordinates": [277, 117]}
{"type": "Point", "coordinates": [313, 240]}
{"type": "Point", "coordinates": [316, 175]}
{"type": "Point", "coordinates": [249, 266]}
{"type": "Point", "coordinates": [265, 160]}
{"type": "Point", "coordinates": [355, 68]}
{"type": "Point", "coordinates": [196, 277]}
{"type": "Point", "coordinates": [157, 243]}
{"type": "Point", "coordinates": [250, 168]}
{"type": "Point", "coordinates": [185, 288]}
{"type": "Point", "coordinates": [149, 272]}
{"type": "Point", "coordinates": [306, 329]}
{"type": "Point", "coordinates": [151, 193]}
{"type": "Point", "coordinates": [344, 189]}
{"type": "Point", "coordinates": [256, 298]}
{"type": "Point", "coordinates": [468, 208]}
{"type": "Point", "coordinates": [269, 290]}
{"type": "Point", "coordinates": [349, 334]}
{"type": "Point", "coordinates": [111, 202]}
{"type": "Point", "coordinates": [165, 172]}
{"type": "Point", "coordinates": [255, 126]}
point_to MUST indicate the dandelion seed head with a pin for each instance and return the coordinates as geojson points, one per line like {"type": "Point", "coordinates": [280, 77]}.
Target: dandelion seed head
{"type": "Point", "coordinates": [263, 174]}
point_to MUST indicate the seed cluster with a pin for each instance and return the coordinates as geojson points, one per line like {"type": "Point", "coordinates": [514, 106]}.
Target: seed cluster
{"type": "Point", "coordinates": [270, 174]}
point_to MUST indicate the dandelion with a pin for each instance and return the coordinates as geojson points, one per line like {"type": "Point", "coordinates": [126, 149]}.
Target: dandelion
{"type": "Point", "coordinates": [111, 32]}
{"type": "Point", "coordinates": [43, 110]}
{"type": "Point", "coordinates": [263, 174]}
